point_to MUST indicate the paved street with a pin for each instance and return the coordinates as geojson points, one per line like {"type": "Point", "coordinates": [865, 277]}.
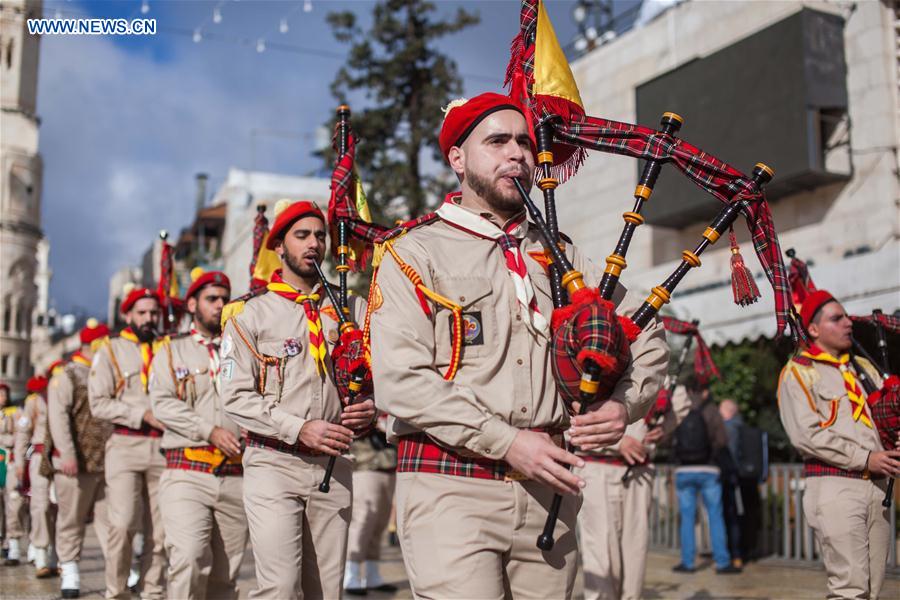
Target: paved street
{"type": "Point", "coordinates": [766, 579]}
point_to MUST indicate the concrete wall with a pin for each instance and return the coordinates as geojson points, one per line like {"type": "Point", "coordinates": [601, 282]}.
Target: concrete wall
{"type": "Point", "coordinates": [823, 224]}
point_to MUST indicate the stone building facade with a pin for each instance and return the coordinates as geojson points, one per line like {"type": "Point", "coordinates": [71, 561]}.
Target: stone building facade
{"type": "Point", "coordinates": [20, 189]}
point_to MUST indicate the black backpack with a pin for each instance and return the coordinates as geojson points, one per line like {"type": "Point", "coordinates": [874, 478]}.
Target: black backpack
{"type": "Point", "coordinates": [753, 453]}
{"type": "Point", "coordinates": [692, 444]}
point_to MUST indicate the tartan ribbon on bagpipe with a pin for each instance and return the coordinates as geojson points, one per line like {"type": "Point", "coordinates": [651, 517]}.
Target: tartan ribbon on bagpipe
{"type": "Point", "coordinates": [260, 229]}
{"type": "Point", "coordinates": [890, 323]}
{"type": "Point", "coordinates": [167, 287]}
{"type": "Point", "coordinates": [801, 282]}
{"type": "Point", "coordinates": [342, 206]}
{"type": "Point", "coordinates": [539, 78]}
{"type": "Point", "coordinates": [721, 180]}
{"type": "Point", "coordinates": [704, 367]}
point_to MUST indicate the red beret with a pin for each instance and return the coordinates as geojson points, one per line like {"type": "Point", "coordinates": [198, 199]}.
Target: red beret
{"type": "Point", "coordinates": [812, 304]}
{"type": "Point", "coordinates": [3, 386]}
{"type": "Point", "coordinates": [208, 278]}
{"type": "Point", "coordinates": [93, 331]}
{"type": "Point", "coordinates": [135, 295]}
{"type": "Point", "coordinates": [461, 119]}
{"type": "Point", "coordinates": [36, 384]}
{"type": "Point", "coordinates": [287, 217]}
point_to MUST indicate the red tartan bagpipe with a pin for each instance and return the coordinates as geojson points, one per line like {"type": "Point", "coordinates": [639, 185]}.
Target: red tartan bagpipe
{"type": "Point", "coordinates": [352, 239]}
{"type": "Point", "coordinates": [260, 231]}
{"type": "Point", "coordinates": [540, 81]}
{"type": "Point", "coordinates": [172, 307]}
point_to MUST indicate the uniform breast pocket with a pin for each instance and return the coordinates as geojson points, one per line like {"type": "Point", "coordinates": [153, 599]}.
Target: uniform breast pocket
{"type": "Point", "coordinates": [479, 322]}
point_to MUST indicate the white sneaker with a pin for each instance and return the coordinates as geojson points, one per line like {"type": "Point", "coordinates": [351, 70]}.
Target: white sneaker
{"type": "Point", "coordinates": [134, 576]}
{"type": "Point", "coordinates": [70, 587]}
{"type": "Point", "coordinates": [374, 580]}
{"type": "Point", "coordinates": [353, 576]}
{"type": "Point", "coordinates": [29, 556]}
{"type": "Point", "coordinates": [13, 552]}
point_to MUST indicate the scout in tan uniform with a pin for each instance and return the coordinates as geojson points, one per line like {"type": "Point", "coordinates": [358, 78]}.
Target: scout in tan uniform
{"type": "Point", "coordinates": [31, 431]}
{"type": "Point", "coordinates": [823, 410]}
{"type": "Point", "coordinates": [613, 525]}
{"type": "Point", "coordinates": [277, 384]}
{"type": "Point", "coordinates": [79, 441]}
{"type": "Point", "coordinates": [14, 505]}
{"type": "Point", "coordinates": [373, 493]}
{"type": "Point", "coordinates": [477, 466]}
{"type": "Point", "coordinates": [201, 492]}
{"type": "Point", "coordinates": [117, 389]}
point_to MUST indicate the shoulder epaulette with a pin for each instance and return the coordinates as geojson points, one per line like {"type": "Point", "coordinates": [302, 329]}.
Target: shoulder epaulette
{"type": "Point", "coordinates": [236, 306]}
{"type": "Point", "coordinates": [10, 411]}
{"type": "Point", "coordinates": [401, 229]}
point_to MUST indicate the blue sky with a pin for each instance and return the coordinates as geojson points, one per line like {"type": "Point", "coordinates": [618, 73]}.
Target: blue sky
{"type": "Point", "coordinates": [128, 121]}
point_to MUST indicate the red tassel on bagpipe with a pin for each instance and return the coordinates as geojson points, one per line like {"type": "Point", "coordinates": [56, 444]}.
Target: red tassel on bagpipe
{"type": "Point", "coordinates": [742, 285]}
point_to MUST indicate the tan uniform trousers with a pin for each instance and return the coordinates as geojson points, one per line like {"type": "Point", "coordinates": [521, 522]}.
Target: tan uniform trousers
{"type": "Point", "coordinates": [43, 512]}
{"type": "Point", "coordinates": [206, 533]}
{"type": "Point", "coordinates": [373, 492]}
{"type": "Point", "coordinates": [16, 507]}
{"type": "Point", "coordinates": [77, 496]}
{"type": "Point", "coordinates": [133, 467]}
{"type": "Point", "coordinates": [613, 530]}
{"type": "Point", "coordinates": [475, 538]}
{"type": "Point", "coordinates": [299, 534]}
{"type": "Point", "coordinates": [853, 532]}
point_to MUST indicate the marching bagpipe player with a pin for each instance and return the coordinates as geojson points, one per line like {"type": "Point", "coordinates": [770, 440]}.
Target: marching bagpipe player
{"type": "Point", "coordinates": [78, 453]}
{"type": "Point", "coordinates": [826, 410]}
{"type": "Point", "coordinates": [475, 406]}
{"type": "Point", "coordinates": [118, 392]}
{"type": "Point", "coordinates": [277, 383]}
{"type": "Point", "coordinates": [201, 491]}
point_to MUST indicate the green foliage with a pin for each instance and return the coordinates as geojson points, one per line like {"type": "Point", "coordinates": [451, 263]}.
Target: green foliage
{"type": "Point", "coordinates": [750, 378]}
{"type": "Point", "coordinates": [406, 82]}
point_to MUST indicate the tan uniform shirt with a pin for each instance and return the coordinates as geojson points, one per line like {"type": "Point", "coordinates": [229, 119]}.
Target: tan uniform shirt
{"type": "Point", "coordinates": [8, 426]}
{"type": "Point", "coordinates": [60, 397]}
{"type": "Point", "coordinates": [31, 426]}
{"type": "Point", "coordinates": [818, 416]}
{"type": "Point", "coordinates": [184, 394]}
{"type": "Point", "coordinates": [295, 392]}
{"type": "Point", "coordinates": [505, 380]}
{"type": "Point", "coordinates": [127, 407]}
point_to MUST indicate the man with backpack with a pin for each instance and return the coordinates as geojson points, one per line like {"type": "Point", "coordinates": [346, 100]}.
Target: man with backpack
{"type": "Point", "coordinates": [699, 443]}
{"type": "Point", "coordinates": [747, 446]}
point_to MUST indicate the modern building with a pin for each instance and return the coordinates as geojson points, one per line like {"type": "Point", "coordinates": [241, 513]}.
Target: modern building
{"type": "Point", "coordinates": [811, 88]}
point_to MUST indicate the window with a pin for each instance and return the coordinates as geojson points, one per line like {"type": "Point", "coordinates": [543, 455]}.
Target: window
{"type": "Point", "coordinates": [4, 364]}
{"type": "Point", "coordinates": [17, 371]}
{"type": "Point", "coordinates": [7, 318]}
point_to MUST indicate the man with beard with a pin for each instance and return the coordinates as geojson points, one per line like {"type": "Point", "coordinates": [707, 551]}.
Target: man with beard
{"type": "Point", "coordinates": [277, 384]}
{"type": "Point", "coordinates": [79, 447]}
{"type": "Point", "coordinates": [31, 431]}
{"type": "Point", "coordinates": [823, 409]}
{"type": "Point", "coordinates": [117, 389]}
{"type": "Point", "coordinates": [201, 491]}
{"type": "Point", "coordinates": [480, 452]}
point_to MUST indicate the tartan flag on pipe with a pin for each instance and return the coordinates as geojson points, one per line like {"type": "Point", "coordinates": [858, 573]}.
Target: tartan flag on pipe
{"type": "Point", "coordinates": [704, 367]}
{"type": "Point", "coordinates": [348, 202]}
{"type": "Point", "coordinates": [539, 78]}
